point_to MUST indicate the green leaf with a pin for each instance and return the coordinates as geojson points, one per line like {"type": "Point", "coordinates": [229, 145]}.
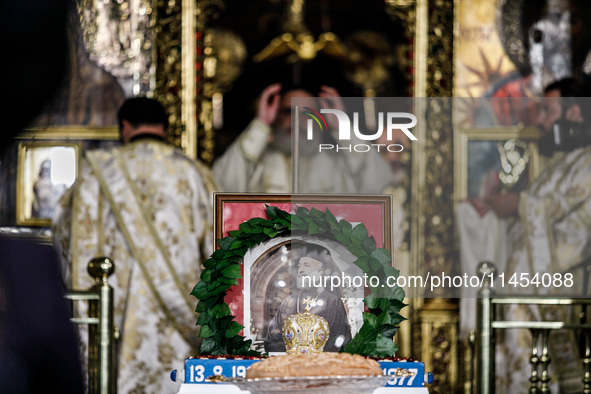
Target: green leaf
{"type": "Point", "coordinates": [210, 263]}
{"type": "Point", "coordinates": [302, 212]}
{"type": "Point", "coordinates": [313, 228]}
{"type": "Point", "coordinates": [345, 225]}
{"type": "Point", "coordinates": [357, 251]}
{"type": "Point", "coordinates": [205, 332]}
{"type": "Point", "coordinates": [200, 290]}
{"type": "Point", "coordinates": [397, 319]}
{"type": "Point", "coordinates": [273, 212]}
{"type": "Point", "coordinates": [270, 232]}
{"type": "Point", "coordinates": [388, 330]}
{"type": "Point", "coordinates": [210, 301]}
{"type": "Point", "coordinates": [315, 213]}
{"type": "Point", "coordinates": [256, 238]}
{"type": "Point", "coordinates": [359, 232]}
{"type": "Point", "coordinates": [235, 233]}
{"type": "Point", "coordinates": [206, 275]}
{"type": "Point", "coordinates": [382, 255]}
{"type": "Point", "coordinates": [369, 244]}
{"type": "Point", "coordinates": [362, 263]}
{"type": "Point", "coordinates": [245, 227]}
{"type": "Point", "coordinates": [232, 272]}
{"type": "Point", "coordinates": [330, 219]}
{"type": "Point", "coordinates": [391, 271]}
{"type": "Point", "coordinates": [221, 323]}
{"type": "Point", "coordinates": [212, 286]}
{"type": "Point", "coordinates": [240, 252]}
{"type": "Point", "coordinates": [207, 346]}
{"type": "Point", "coordinates": [296, 220]}
{"type": "Point", "coordinates": [228, 281]}
{"type": "Point", "coordinates": [241, 346]}
{"type": "Point", "coordinates": [374, 264]}
{"type": "Point", "coordinates": [203, 318]}
{"type": "Point", "coordinates": [219, 254]}
{"type": "Point", "coordinates": [225, 243]}
{"type": "Point", "coordinates": [372, 301]}
{"type": "Point", "coordinates": [370, 319]}
{"type": "Point", "coordinates": [220, 310]}
{"type": "Point", "coordinates": [344, 239]}
{"type": "Point", "coordinates": [235, 245]}
{"type": "Point", "coordinates": [367, 332]}
{"type": "Point", "coordinates": [207, 303]}
{"type": "Point", "coordinates": [397, 293]}
{"type": "Point", "coordinates": [233, 330]}
{"type": "Point", "coordinates": [364, 342]}
{"type": "Point", "coordinates": [257, 221]}
{"type": "Point", "coordinates": [219, 350]}
{"type": "Point", "coordinates": [396, 303]}
{"type": "Point", "coordinates": [287, 222]}
{"type": "Point", "coordinates": [220, 265]}
{"type": "Point", "coordinates": [324, 228]}
{"type": "Point", "coordinates": [201, 307]}
{"type": "Point", "coordinates": [385, 347]}
{"type": "Point", "coordinates": [284, 215]}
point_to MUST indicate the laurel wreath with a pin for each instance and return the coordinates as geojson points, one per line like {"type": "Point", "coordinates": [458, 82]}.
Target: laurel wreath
{"type": "Point", "coordinates": [219, 330]}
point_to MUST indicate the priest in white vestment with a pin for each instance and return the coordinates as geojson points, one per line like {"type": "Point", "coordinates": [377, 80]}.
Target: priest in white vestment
{"type": "Point", "coordinates": [149, 208]}
{"type": "Point", "coordinates": [549, 233]}
{"type": "Point", "coordinates": [260, 160]}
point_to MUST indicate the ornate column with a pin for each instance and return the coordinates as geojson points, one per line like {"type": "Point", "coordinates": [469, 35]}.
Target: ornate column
{"type": "Point", "coordinates": [435, 320]}
{"type": "Point", "coordinates": [168, 40]}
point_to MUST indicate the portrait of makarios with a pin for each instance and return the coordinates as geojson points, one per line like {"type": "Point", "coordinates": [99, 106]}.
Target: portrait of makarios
{"type": "Point", "coordinates": [280, 274]}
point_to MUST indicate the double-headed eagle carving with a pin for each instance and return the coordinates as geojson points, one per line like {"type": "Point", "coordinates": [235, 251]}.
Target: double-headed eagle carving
{"type": "Point", "coordinates": [303, 47]}
{"type": "Point", "coordinates": [297, 43]}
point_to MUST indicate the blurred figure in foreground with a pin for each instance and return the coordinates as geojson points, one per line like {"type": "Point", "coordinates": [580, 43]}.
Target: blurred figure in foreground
{"type": "Point", "coordinates": [38, 349]}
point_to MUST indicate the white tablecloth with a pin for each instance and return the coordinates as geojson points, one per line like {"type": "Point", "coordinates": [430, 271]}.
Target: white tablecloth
{"type": "Point", "coordinates": [232, 389]}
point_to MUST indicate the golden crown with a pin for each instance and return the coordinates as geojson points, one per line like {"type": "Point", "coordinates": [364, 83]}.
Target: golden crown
{"type": "Point", "coordinates": [305, 333]}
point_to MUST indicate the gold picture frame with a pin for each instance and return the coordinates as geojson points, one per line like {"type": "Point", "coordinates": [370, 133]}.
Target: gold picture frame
{"type": "Point", "coordinates": [466, 171]}
{"type": "Point", "coordinates": [39, 183]}
{"type": "Point", "coordinates": [253, 203]}
{"type": "Point", "coordinates": [71, 132]}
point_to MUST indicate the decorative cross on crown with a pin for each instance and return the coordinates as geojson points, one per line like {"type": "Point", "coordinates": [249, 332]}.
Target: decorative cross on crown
{"type": "Point", "coordinates": [305, 333]}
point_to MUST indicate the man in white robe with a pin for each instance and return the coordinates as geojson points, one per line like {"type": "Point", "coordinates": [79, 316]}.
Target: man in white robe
{"type": "Point", "coordinates": [149, 208]}
{"type": "Point", "coordinates": [549, 233]}
{"type": "Point", "coordinates": [260, 160]}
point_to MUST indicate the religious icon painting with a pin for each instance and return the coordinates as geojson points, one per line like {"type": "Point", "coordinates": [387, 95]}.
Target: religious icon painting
{"type": "Point", "coordinates": [45, 171]}
{"type": "Point", "coordinates": [495, 160]}
{"type": "Point", "coordinates": [297, 271]}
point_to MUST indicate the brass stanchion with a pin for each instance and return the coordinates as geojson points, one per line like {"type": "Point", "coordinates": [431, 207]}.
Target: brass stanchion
{"type": "Point", "coordinates": [101, 331]}
{"type": "Point", "coordinates": [101, 336]}
{"type": "Point", "coordinates": [485, 336]}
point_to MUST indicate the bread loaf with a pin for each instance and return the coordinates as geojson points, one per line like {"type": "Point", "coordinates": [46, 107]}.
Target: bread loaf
{"type": "Point", "coordinates": [316, 364]}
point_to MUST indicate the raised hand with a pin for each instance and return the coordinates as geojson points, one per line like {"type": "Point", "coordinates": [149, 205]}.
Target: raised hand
{"type": "Point", "coordinates": [268, 104]}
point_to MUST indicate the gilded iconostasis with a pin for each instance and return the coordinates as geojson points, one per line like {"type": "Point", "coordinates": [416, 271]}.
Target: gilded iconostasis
{"type": "Point", "coordinates": [356, 47]}
{"type": "Point", "coordinates": [208, 61]}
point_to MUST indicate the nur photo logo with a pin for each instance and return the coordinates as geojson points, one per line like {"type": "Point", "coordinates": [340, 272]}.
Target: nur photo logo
{"type": "Point", "coordinates": [389, 122]}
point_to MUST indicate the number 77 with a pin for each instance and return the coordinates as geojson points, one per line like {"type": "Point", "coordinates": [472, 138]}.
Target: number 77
{"type": "Point", "coordinates": [414, 371]}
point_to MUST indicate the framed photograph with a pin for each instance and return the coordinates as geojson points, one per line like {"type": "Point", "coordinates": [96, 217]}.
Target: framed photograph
{"type": "Point", "coordinates": [45, 171]}
{"type": "Point", "coordinates": [271, 286]}
{"type": "Point", "coordinates": [495, 160]}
